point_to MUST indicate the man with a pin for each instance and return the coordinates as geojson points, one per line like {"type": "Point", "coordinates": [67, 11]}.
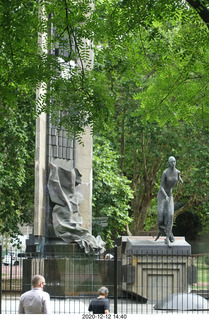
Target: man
{"type": "Point", "coordinates": [35, 300]}
{"type": "Point", "coordinates": [100, 305]}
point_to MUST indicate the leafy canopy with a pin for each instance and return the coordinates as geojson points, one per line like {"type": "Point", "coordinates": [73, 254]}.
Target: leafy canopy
{"type": "Point", "coordinates": [111, 193]}
{"type": "Point", "coordinates": [150, 56]}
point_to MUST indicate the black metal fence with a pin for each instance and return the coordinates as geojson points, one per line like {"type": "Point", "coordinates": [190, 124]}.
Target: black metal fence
{"type": "Point", "coordinates": [137, 283]}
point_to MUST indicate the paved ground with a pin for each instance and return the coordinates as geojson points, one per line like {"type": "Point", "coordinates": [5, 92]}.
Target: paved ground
{"type": "Point", "coordinates": [80, 307]}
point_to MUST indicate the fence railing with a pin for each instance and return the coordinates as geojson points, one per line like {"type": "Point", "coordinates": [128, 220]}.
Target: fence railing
{"type": "Point", "coordinates": [137, 283]}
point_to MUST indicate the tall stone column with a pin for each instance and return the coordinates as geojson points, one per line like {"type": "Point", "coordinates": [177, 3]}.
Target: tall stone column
{"type": "Point", "coordinates": [63, 175]}
{"type": "Point", "coordinates": [40, 153]}
{"type": "Point", "coordinates": [83, 161]}
{"type": "Point", "coordinates": [40, 175]}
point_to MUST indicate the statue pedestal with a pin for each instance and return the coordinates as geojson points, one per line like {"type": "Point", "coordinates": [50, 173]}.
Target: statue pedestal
{"type": "Point", "coordinates": [153, 270]}
{"type": "Point", "coordinates": [67, 269]}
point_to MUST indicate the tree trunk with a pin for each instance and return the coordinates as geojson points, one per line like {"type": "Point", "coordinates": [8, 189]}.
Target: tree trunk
{"type": "Point", "coordinates": [140, 217]}
{"type": "Point", "coordinates": [143, 194]}
{"type": "Point", "coordinates": [186, 207]}
{"type": "Point", "coordinates": [140, 207]}
{"type": "Point", "coordinates": [122, 142]}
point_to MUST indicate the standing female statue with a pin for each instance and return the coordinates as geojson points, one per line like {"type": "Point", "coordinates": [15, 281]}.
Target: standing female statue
{"type": "Point", "coordinates": [165, 204]}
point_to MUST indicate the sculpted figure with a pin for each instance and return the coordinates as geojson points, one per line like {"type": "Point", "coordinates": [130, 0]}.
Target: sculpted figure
{"type": "Point", "coordinates": [63, 186]}
{"type": "Point", "coordinates": [165, 204]}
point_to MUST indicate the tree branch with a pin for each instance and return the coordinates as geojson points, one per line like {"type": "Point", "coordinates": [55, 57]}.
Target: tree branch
{"type": "Point", "coordinates": [143, 155]}
{"type": "Point", "coordinates": [75, 41]}
{"type": "Point", "coordinates": [185, 207]}
{"type": "Point", "coordinates": [201, 9]}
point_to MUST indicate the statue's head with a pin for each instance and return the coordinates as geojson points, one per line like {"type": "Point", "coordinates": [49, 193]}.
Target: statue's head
{"type": "Point", "coordinates": [172, 162]}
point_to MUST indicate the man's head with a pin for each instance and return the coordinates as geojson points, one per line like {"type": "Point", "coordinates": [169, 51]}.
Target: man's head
{"type": "Point", "coordinates": [103, 291]}
{"type": "Point", "coordinates": [38, 281]}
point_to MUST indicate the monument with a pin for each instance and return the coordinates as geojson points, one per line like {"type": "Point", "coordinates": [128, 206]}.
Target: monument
{"type": "Point", "coordinates": [63, 167]}
{"type": "Point", "coordinates": [154, 270]}
{"type": "Point", "coordinates": [63, 200]}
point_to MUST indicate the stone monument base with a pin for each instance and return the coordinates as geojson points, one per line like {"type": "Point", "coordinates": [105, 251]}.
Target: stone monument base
{"type": "Point", "coordinates": [153, 270]}
{"type": "Point", "coordinates": [67, 269]}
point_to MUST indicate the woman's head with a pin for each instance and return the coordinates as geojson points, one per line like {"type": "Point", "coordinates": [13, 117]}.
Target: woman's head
{"type": "Point", "coordinates": [172, 162]}
{"type": "Point", "coordinates": [103, 291]}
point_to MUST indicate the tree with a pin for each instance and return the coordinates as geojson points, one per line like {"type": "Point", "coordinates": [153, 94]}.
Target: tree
{"type": "Point", "coordinates": [17, 127]}
{"type": "Point", "coordinates": [73, 88]}
{"type": "Point", "coordinates": [201, 8]}
{"type": "Point", "coordinates": [19, 71]}
{"type": "Point", "coordinates": [111, 193]}
{"type": "Point", "coordinates": [151, 66]}
{"type": "Point", "coordinates": [23, 68]}
{"type": "Point", "coordinates": [157, 73]}
{"type": "Point", "coordinates": [79, 94]}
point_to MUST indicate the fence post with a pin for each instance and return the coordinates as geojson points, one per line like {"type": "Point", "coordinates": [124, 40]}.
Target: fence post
{"type": "Point", "coordinates": [10, 281]}
{"type": "Point", "coordinates": [115, 279]}
{"type": "Point", "coordinates": [0, 277]}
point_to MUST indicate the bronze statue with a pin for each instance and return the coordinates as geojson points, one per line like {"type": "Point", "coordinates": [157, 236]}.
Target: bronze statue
{"type": "Point", "coordinates": [63, 186]}
{"type": "Point", "coordinates": [165, 204]}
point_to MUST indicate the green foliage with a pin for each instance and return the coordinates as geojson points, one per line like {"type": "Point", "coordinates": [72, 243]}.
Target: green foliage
{"type": "Point", "coordinates": [17, 164]}
{"type": "Point", "coordinates": [21, 69]}
{"type": "Point", "coordinates": [111, 192]}
{"type": "Point", "coordinates": [158, 79]}
{"type": "Point", "coordinates": [151, 217]}
{"type": "Point", "coordinates": [20, 64]}
{"type": "Point", "coordinates": [177, 89]}
{"type": "Point", "coordinates": [206, 258]}
{"type": "Point", "coordinates": [147, 94]}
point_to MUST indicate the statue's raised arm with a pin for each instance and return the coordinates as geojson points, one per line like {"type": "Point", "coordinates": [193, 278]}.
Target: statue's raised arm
{"type": "Point", "coordinates": [165, 204]}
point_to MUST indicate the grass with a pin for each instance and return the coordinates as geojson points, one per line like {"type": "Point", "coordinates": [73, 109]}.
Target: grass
{"type": "Point", "coordinates": [202, 274]}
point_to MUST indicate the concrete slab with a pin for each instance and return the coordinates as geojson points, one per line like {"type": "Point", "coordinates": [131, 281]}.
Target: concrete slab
{"type": "Point", "coordinates": [147, 245]}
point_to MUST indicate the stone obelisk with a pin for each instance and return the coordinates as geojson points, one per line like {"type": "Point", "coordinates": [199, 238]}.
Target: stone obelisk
{"type": "Point", "coordinates": [53, 145]}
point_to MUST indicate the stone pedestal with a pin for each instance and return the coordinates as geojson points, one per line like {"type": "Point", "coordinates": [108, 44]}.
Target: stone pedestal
{"type": "Point", "coordinates": [153, 270]}
{"type": "Point", "coordinates": [67, 269]}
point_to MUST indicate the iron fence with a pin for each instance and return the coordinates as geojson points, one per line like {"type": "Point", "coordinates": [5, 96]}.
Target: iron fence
{"type": "Point", "coordinates": [137, 283]}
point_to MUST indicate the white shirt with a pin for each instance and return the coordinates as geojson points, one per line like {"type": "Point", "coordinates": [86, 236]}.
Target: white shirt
{"type": "Point", "coordinates": [34, 301]}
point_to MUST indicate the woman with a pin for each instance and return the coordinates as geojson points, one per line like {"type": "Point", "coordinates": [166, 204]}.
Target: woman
{"type": "Point", "coordinates": [165, 204]}
{"type": "Point", "coordinates": [100, 305]}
